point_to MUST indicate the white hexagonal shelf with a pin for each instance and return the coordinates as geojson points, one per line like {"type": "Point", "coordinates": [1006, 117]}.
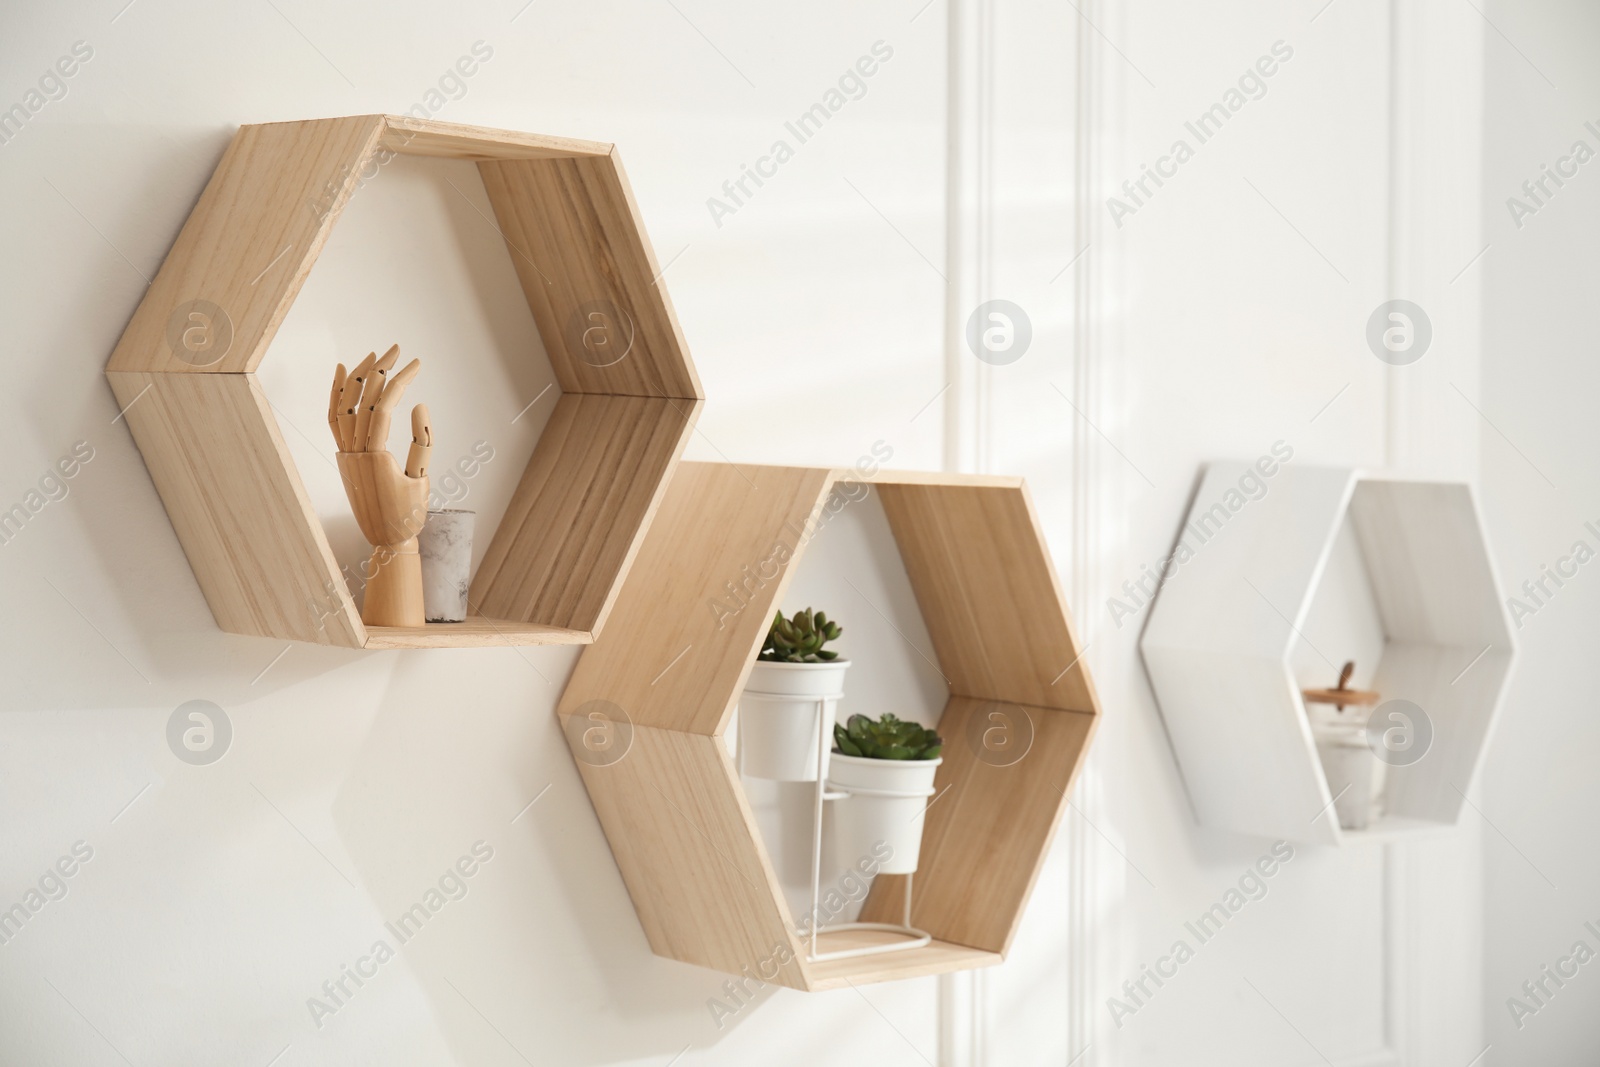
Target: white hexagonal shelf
{"type": "Point", "coordinates": [1275, 582]}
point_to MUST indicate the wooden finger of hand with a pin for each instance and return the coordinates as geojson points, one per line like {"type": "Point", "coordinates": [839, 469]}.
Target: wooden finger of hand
{"type": "Point", "coordinates": [350, 399]}
{"type": "Point", "coordinates": [333, 406]}
{"type": "Point", "coordinates": [421, 443]}
{"type": "Point", "coordinates": [364, 406]}
{"type": "Point", "coordinates": [386, 364]}
{"type": "Point", "coordinates": [394, 387]}
{"type": "Point", "coordinates": [365, 440]}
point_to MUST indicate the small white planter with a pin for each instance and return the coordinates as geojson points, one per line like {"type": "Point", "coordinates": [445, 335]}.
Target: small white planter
{"type": "Point", "coordinates": [780, 735]}
{"type": "Point", "coordinates": [1355, 775]}
{"type": "Point", "coordinates": [886, 798]}
{"type": "Point", "coordinates": [445, 545]}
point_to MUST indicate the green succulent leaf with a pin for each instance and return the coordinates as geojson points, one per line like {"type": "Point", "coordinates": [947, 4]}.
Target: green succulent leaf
{"type": "Point", "coordinates": [799, 638]}
{"type": "Point", "coordinates": [887, 738]}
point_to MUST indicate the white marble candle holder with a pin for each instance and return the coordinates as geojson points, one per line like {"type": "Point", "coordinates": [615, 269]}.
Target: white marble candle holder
{"type": "Point", "coordinates": [446, 547]}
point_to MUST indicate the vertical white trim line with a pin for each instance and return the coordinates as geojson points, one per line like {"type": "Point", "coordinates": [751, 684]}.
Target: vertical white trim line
{"type": "Point", "coordinates": [1421, 142]}
{"type": "Point", "coordinates": [958, 1020]}
{"type": "Point", "coordinates": [1395, 445]}
{"type": "Point", "coordinates": [984, 212]}
{"type": "Point", "coordinates": [967, 427]}
{"type": "Point", "coordinates": [1401, 951]}
{"type": "Point", "coordinates": [968, 232]}
{"type": "Point", "coordinates": [1398, 942]}
{"type": "Point", "coordinates": [953, 243]}
{"type": "Point", "coordinates": [1093, 890]}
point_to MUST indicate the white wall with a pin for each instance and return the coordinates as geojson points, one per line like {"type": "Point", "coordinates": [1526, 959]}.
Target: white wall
{"type": "Point", "coordinates": [220, 897]}
{"type": "Point", "coordinates": [1543, 485]}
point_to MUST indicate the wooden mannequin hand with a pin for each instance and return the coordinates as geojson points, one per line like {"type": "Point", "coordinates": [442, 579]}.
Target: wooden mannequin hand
{"type": "Point", "coordinates": [390, 505]}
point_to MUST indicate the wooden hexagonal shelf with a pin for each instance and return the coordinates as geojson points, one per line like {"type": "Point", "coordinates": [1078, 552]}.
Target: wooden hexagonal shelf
{"type": "Point", "coordinates": [184, 374]}
{"type": "Point", "coordinates": [669, 671]}
{"type": "Point", "coordinates": [1277, 581]}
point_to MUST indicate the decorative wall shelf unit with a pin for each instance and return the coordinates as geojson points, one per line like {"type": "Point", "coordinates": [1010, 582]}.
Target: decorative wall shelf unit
{"type": "Point", "coordinates": [669, 671]}
{"type": "Point", "coordinates": [184, 372]}
{"type": "Point", "coordinates": [1330, 565]}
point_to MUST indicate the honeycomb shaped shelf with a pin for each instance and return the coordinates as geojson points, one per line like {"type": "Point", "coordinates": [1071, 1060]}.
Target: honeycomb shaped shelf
{"type": "Point", "coordinates": [184, 372]}
{"type": "Point", "coordinates": [669, 670]}
{"type": "Point", "coordinates": [1328, 566]}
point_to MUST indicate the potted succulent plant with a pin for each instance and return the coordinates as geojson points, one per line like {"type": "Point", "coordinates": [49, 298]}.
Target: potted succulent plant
{"type": "Point", "coordinates": [793, 682]}
{"type": "Point", "coordinates": [887, 767]}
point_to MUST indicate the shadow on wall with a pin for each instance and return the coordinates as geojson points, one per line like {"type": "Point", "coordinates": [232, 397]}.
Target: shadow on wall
{"type": "Point", "coordinates": [454, 778]}
{"type": "Point", "coordinates": [128, 590]}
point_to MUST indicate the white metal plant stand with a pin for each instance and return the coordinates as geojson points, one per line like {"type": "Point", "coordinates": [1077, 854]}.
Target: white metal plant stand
{"type": "Point", "coordinates": [914, 938]}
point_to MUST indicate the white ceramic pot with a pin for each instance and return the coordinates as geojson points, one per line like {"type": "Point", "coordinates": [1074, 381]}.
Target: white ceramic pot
{"type": "Point", "coordinates": [887, 797]}
{"type": "Point", "coordinates": [445, 545]}
{"type": "Point", "coordinates": [1355, 774]}
{"type": "Point", "coordinates": [780, 735]}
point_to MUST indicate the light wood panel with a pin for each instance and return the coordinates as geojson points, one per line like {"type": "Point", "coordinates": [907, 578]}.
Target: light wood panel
{"type": "Point", "coordinates": [988, 592]}
{"type": "Point", "coordinates": [277, 192]}
{"type": "Point", "coordinates": [690, 621]}
{"type": "Point", "coordinates": [429, 137]}
{"type": "Point", "coordinates": [578, 516]}
{"type": "Point", "coordinates": [671, 657]}
{"type": "Point", "coordinates": [988, 833]}
{"type": "Point", "coordinates": [935, 478]}
{"type": "Point", "coordinates": [238, 506]}
{"type": "Point", "coordinates": [475, 631]}
{"type": "Point", "coordinates": [938, 957]}
{"type": "Point", "coordinates": [580, 249]}
{"type": "Point", "coordinates": [688, 849]}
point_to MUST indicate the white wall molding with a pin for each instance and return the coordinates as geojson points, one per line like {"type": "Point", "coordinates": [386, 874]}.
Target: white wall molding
{"type": "Point", "coordinates": [967, 266]}
{"type": "Point", "coordinates": [1435, 230]}
{"type": "Point", "coordinates": [960, 1019]}
{"type": "Point", "coordinates": [969, 243]}
{"type": "Point", "coordinates": [1094, 889]}
{"type": "Point", "coordinates": [1402, 965]}
{"type": "Point", "coordinates": [1396, 379]}
{"type": "Point", "coordinates": [1433, 143]}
